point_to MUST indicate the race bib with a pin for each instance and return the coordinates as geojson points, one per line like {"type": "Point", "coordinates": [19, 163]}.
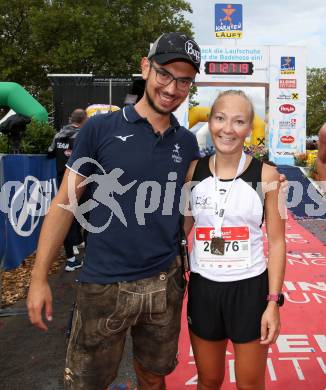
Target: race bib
{"type": "Point", "coordinates": [236, 252]}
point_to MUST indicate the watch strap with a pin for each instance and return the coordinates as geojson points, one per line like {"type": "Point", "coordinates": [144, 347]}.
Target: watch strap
{"type": "Point", "coordinates": [278, 298]}
{"type": "Point", "coordinates": [273, 297]}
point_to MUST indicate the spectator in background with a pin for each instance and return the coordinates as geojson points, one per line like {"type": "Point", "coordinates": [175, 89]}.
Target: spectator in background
{"type": "Point", "coordinates": [61, 148]}
{"type": "Point", "coordinates": [321, 157]}
{"type": "Point", "coordinates": [311, 143]}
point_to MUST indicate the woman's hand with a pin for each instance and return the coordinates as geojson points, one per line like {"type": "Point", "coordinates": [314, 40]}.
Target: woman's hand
{"type": "Point", "coordinates": [270, 324]}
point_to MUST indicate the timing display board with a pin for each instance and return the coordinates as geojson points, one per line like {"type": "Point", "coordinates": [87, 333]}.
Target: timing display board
{"type": "Point", "coordinates": [228, 67]}
{"type": "Point", "coordinates": [247, 64]}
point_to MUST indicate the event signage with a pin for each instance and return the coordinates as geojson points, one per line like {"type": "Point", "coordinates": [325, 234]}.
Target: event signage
{"type": "Point", "coordinates": [228, 21]}
{"type": "Point", "coordinates": [220, 63]}
{"type": "Point", "coordinates": [281, 70]}
{"type": "Point", "coordinates": [288, 83]}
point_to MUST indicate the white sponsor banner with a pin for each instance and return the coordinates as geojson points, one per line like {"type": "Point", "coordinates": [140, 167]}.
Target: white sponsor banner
{"type": "Point", "coordinates": [234, 64]}
{"type": "Point", "coordinates": [287, 103]}
{"type": "Point", "coordinates": [283, 70]}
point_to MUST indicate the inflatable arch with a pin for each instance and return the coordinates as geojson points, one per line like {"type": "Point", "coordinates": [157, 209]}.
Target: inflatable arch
{"type": "Point", "coordinates": [18, 99]}
{"type": "Point", "coordinates": [95, 109]}
{"type": "Point", "coordinates": [198, 114]}
{"type": "Point", "coordinates": [257, 136]}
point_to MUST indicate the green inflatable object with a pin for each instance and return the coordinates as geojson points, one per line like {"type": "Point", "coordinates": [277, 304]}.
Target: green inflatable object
{"type": "Point", "coordinates": [17, 98]}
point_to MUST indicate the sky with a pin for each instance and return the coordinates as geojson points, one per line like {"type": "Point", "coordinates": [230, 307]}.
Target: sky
{"type": "Point", "coordinates": [266, 22]}
{"type": "Point", "coordinates": [270, 22]}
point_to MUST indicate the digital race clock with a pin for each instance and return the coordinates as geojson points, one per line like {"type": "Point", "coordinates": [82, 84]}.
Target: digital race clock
{"type": "Point", "coordinates": [236, 68]}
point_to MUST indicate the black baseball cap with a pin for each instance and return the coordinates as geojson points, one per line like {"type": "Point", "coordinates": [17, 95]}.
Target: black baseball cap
{"type": "Point", "coordinates": [175, 46]}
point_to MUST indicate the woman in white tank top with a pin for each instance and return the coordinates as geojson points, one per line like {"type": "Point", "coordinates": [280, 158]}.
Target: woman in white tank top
{"type": "Point", "coordinates": [229, 285]}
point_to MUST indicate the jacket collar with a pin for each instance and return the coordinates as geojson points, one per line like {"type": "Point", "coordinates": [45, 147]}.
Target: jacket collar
{"type": "Point", "coordinates": [132, 116]}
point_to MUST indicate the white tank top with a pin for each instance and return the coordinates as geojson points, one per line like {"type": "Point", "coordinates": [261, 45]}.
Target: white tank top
{"type": "Point", "coordinates": [245, 208]}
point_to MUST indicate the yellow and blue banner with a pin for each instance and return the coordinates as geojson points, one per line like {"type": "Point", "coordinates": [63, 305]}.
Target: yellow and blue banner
{"type": "Point", "coordinates": [228, 21]}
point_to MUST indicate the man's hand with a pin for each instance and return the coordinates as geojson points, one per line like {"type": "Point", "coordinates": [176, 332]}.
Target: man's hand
{"type": "Point", "coordinates": [39, 296]}
{"type": "Point", "coordinates": [284, 183]}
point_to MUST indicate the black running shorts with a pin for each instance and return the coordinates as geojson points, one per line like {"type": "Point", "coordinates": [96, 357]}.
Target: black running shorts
{"type": "Point", "coordinates": [227, 310]}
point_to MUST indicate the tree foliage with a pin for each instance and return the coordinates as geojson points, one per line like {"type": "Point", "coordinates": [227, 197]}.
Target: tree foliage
{"type": "Point", "coordinates": [103, 37]}
{"type": "Point", "coordinates": [316, 99]}
{"type": "Point", "coordinates": [35, 139]}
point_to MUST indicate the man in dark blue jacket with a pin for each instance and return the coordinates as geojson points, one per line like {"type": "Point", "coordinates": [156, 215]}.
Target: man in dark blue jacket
{"type": "Point", "coordinates": [132, 276]}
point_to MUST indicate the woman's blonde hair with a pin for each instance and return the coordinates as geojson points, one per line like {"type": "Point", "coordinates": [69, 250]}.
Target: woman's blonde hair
{"type": "Point", "coordinates": [234, 92]}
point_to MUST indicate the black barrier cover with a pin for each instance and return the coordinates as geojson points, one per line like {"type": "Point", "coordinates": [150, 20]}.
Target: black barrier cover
{"type": "Point", "coordinates": [80, 91]}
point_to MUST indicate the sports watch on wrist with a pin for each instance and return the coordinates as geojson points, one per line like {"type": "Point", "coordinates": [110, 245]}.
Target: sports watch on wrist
{"type": "Point", "coordinates": [278, 298]}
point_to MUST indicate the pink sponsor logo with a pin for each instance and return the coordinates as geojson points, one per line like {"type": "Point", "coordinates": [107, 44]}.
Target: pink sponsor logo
{"type": "Point", "coordinates": [287, 108]}
{"type": "Point", "coordinates": [287, 139]}
{"type": "Point", "coordinates": [287, 83]}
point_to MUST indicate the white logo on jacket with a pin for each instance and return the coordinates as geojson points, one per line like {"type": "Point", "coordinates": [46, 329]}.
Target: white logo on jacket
{"type": "Point", "coordinates": [176, 157]}
{"type": "Point", "coordinates": [123, 138]}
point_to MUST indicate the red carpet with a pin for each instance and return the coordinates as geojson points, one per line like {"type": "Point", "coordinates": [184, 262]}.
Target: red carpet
{"type": "Point", "coordinates": [298, 360]}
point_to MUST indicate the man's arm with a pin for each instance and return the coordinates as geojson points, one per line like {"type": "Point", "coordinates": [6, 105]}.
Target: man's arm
{"type": "Point", "coordinates": [188, 220]}
{"type": "Point", "coordinates": [54, 230]}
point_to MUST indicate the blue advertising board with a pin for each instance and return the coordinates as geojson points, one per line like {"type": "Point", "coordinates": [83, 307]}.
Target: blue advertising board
{"type": "Point", "coordinates": [287, 65]}
{"type": "Point", "coordinates": [28, 183]}
{"type": "Point", "coordinates": [228, 21]}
